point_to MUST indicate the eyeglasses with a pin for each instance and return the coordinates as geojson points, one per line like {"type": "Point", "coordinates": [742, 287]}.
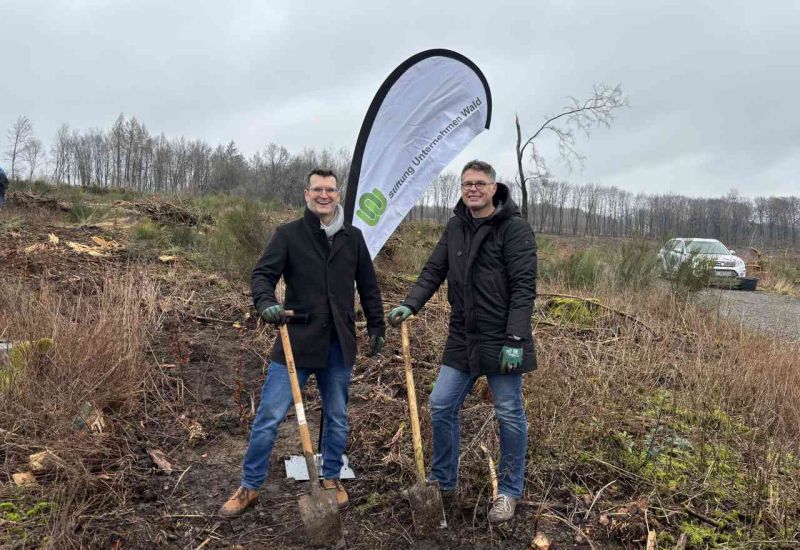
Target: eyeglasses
{"type": "Point", "coordinates": [479, 185]}
{"type": "Point", "coordinates": [321, 190]}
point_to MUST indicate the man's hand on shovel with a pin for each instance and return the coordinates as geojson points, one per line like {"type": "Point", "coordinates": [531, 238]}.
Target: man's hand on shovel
{"type": "Point", "coordinates": [398, 315]}
{"type": "Point", "coordinates": [275, 315]}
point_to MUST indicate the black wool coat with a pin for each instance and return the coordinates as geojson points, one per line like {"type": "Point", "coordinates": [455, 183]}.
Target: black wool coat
{"type": "Point", "coordinates": [320, 288]}
{"type": "Point", "coordinates": [491, 285]}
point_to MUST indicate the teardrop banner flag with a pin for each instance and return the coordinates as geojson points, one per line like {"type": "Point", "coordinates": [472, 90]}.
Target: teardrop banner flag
{"type": "Point", "coordinates": [424, 114]}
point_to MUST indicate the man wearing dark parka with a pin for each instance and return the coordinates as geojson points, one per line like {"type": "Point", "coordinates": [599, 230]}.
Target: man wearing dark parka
{"type": "Point", "coordinates": [487, 254]}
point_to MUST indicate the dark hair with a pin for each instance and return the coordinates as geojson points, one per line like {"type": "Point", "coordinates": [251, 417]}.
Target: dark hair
{"type": "Point", "coordinates": [480, 166]}
{"type": "Point", "coordinates": [323, 173]}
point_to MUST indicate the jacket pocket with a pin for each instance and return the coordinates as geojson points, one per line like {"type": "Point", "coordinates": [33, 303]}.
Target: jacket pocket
{"type": "Point", "coordinates": [500, 286]}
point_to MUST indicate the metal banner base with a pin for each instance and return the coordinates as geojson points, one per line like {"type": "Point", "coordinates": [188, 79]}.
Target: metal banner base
{"type": "Point", "coordinates": [296, 468]}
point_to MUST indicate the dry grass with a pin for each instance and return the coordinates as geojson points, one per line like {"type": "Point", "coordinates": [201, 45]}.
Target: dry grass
{"type": "Point", "coordinates": [688, 413]}
{"type": "Point", "coordinates": [640, 398]}
{"type": "Point", "coordinates": [673, 407]}
{"type": "Point", "coordinates": [97, 358]}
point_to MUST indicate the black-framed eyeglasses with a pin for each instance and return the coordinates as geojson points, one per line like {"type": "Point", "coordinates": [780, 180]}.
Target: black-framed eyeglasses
{"type": "Point", "coordinates": [321, 190]}
{"type": "Point", "coordinates": [479, 185]}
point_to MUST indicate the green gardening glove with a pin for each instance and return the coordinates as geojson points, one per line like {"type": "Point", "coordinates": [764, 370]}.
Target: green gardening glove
{"type": "Point", "coordinates": [274, 315]}
{"type": "Point", "coordinates": [398, 315]}
{"type": "Point", "coordinates": [511, 357]}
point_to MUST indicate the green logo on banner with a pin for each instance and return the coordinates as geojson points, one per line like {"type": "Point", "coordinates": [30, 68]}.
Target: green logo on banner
{"type": "Point", "coordinates": [371, 206]}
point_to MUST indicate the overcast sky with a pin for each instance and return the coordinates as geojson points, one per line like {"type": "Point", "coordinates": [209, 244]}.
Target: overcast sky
{"type": "Point", "coordinates": [713, 86]}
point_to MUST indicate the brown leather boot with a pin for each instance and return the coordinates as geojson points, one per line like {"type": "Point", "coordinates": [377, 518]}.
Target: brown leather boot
{"type": "Point", "coordinates": [342, 499]}
{"type": "Point", "coordinates": [239, 502]}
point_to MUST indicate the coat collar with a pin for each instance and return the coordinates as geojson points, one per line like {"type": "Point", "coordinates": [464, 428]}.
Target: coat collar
{"type": "Point", "coordinates": [320, 239]}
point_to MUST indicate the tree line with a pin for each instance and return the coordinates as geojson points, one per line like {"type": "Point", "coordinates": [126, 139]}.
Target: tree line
{"type": "Point", "coordinates": [129, 156]}
{"type": "Point", "coordinates": [590, 210]}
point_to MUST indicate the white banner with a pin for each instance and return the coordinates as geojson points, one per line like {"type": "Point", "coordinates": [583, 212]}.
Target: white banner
{"type": "Point", "coordinates": [423, 116]}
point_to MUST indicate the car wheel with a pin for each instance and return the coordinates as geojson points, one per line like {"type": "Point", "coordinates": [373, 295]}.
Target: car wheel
{"type": "Point", "coordinates": [748, 283]}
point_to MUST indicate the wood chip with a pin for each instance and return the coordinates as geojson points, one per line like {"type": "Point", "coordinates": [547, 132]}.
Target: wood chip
{"type": "Point", "coordinates": [160, 459]}
{"type": "Point", "coordinates": [24, 479]}
{"type": "Point", "coordinates": [540, 542]}
{"type": "Point", "coordinates": [45, 460]}
{"type": "Point", "coordinates": [84, 249]}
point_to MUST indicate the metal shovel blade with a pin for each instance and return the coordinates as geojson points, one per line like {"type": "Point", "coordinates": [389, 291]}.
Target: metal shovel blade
{"type": "Point", "coordinates": [320, 515]}
{"type": "Point", "coordinates": [426, 508]}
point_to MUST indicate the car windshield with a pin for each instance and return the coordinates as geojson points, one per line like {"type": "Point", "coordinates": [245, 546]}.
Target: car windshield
{"type": "Point", "coordinates": [706, 247]}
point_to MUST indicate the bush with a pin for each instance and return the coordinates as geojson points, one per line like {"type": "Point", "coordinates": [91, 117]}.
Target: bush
{"type": "Point", "coordinates": [82, 213]}
{"type": "Point", "coordinates": [408, 248]}
{"type": "Point", "coordinates": [635, 265]}
{"type": "Point", "coordinates": [692, 275]}
{"type": "Point", "coordinates": [147, 236]}
{"type": "Point", "coordinates": [239, 238]}
{"type": "Point", "coordinates": [581, 269]}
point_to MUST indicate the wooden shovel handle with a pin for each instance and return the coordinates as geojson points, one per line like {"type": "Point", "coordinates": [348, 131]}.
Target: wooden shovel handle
{"type": "Point", "coordinates": [305, 436]}
{"type": "Point", "coordinates": [412, 404]}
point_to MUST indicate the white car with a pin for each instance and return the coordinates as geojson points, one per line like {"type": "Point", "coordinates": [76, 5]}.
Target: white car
{"type": "Point", "coordinates": [724, 262]}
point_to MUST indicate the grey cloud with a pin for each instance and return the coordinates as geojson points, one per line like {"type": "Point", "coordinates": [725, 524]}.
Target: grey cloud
{"type": "Point", "coordinates": [712, 84]}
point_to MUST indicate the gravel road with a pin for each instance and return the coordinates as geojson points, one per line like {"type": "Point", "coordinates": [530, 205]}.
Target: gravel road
{"type": "Point", "coordinates": [769, 313]}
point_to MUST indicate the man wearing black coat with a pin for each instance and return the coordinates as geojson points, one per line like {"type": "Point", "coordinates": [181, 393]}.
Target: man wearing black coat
{"type": "Point", "coordinates": [487, 254]}
{"type": "Point", "coordinates": [320, 257]}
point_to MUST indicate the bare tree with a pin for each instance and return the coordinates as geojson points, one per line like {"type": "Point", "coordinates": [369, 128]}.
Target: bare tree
{"type": "Point", "coordinates": [19, 136]}
{"type": "Point", "coordinates": [32, 154]}
{"type": "Point", "coordinates": [583, 116]}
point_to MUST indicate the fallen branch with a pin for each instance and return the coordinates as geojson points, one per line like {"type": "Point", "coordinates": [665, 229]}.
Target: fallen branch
{"type": "Point", "coordinates": [597, 303]}
{"type": "Point", "coordinates": [492, 471]}
{"type": "Point", "coordinates": [701, 517]}
{"type": "Point", "coordinates": [596, 496]}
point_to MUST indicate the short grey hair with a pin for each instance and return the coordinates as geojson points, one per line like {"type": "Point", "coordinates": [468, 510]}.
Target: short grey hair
{"type": "Point", "coordinates": [480, 166]}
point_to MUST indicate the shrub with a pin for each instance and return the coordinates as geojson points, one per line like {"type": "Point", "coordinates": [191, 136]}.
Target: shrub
{"type": "Point", "coordinates": [581, 269]}
{"type": "Point", "coordinates": [692, 275]}
{"type": "Point", "coordinates": [82, 213]}
{"type": "Point", "coordinates": [635, 265]}
{"type": "Point", "coordinates": [239, 238]}
{"type": "Point", "coordinates": [147, 236]}
{"type": "Point", "coordinates": [407, 250]}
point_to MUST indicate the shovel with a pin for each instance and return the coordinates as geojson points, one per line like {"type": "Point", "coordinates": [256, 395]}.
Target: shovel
{"type": "Point", "coordinates": [426, 500]}
{"type": "Point", "coordinates": [318, 510]}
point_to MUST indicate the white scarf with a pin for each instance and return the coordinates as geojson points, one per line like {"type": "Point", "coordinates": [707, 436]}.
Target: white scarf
{"type": "Point", "coordinates": [336, 224]}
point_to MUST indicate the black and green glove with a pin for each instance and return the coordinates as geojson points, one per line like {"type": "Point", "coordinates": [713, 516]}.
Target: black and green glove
{"type": "Point", "coordinates": [511, 355]}
{"type": "Point", "coordinates": [275, 315]}
{"type": "Point", "coordinates": [376, 343]}
{"type": "Point", "coordinates": [398, 315]}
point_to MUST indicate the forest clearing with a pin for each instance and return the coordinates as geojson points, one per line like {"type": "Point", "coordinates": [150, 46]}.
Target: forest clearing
{"type": "Point", "coordinates": [124, 419]}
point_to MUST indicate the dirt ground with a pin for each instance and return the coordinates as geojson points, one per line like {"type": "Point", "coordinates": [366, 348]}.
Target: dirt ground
{"type": "Point", "coordinates": [212, 356]}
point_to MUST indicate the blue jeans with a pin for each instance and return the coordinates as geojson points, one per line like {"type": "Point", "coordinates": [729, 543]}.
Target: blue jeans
{"type": "Point", "coordinates": [276, 398]}
{"type": "Point", "coordinates": [451, 388]}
